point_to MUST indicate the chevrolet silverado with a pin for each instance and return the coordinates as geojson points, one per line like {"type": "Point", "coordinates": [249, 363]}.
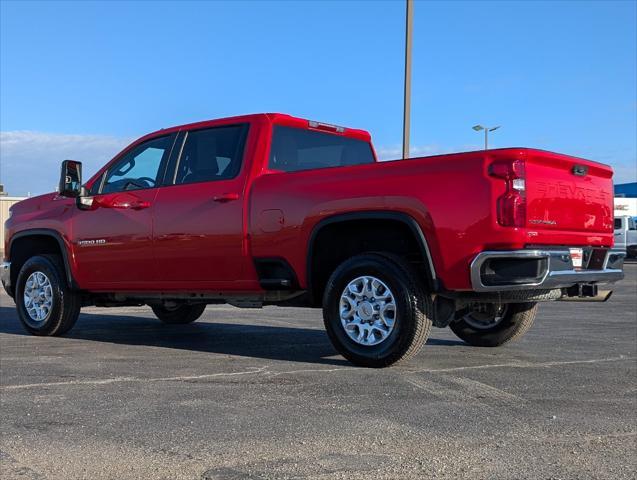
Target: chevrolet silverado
{"type": "Point", "coordinates": [271, 209]}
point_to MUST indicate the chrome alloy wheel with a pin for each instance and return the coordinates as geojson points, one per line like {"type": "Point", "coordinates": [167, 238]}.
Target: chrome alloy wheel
{"type": "Point", "coordinates": [367, 310]}
{"type": "Point", "coordinates": [38, 297]}
{"type": "Point", "coordinates": [485, 316]}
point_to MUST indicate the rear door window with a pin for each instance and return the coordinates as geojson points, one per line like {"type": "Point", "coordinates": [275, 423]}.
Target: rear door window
{"type": "Point", "coordinates": [295, 149]}
{"type": "Point", "coordinates": [211, 154]}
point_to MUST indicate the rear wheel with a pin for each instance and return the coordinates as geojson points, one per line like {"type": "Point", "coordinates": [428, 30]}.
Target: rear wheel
{"type": "Point", "coordinates": [46, 305]}
{"type": "Point", "coordinates": [492, 325]}
{"type": "Point", "coordinates": [375, 310]}
{"type": "Point", "coordinates": [178, 314]}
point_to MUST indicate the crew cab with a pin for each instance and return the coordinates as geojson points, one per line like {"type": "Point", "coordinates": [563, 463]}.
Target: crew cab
{"type": "Point", "coordinates": [271, 209]}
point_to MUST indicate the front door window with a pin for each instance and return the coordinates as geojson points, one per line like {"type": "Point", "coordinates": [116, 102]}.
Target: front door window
{"type": "Point", "coordinates": [140, 168]}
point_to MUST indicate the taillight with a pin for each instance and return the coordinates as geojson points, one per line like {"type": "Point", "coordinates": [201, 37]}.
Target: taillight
{"type": "Point", "coordinates": [512, 205]}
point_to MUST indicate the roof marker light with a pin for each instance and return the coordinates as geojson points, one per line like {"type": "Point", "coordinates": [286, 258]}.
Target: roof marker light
{"type": "Point", "coordinates": [326, 126]}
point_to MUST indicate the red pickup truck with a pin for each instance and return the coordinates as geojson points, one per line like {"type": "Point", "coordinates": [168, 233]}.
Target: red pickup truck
{"type": "Point", "coordinates": [272, 209]}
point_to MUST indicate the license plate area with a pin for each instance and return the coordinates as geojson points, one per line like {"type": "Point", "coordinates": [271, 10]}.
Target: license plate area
{"type": "Point", "coordinates": [590, 258]}
{"type": "Point", "coordinates": [577, 257]}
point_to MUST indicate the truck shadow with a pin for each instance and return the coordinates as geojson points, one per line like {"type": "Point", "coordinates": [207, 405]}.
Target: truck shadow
{"type": "Point", "coordinates": [295, 344]}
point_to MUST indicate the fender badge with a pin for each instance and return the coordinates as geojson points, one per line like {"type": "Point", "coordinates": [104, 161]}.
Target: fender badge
{"type": "Point", "coordinates": [91, 243]}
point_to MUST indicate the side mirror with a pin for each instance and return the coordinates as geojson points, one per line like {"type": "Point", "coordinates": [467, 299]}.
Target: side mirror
{"type": "Point", "coordinates": [71, 179]}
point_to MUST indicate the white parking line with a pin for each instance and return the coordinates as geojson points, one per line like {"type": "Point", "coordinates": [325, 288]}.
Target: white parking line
{"type": "Point", "coordinates": [264, 370]}
{"type": "Point", "coordinates": [107, 381]}
{"type": "Point", "coordinates": [524, 365]}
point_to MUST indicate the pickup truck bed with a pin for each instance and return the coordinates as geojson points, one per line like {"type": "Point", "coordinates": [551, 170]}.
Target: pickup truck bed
{"type": "Point", "coordinates": [452, 199]}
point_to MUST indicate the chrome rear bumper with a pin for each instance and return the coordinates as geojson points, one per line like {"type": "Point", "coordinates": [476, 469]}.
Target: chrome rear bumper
{"type": "Point", "coordinates": [541, 269]}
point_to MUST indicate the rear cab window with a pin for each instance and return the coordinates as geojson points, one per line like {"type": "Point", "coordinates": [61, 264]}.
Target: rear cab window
{"type": "Point", "coordinates": [296, 149]}
{"type": "Point", "coordinates": [618, 223]}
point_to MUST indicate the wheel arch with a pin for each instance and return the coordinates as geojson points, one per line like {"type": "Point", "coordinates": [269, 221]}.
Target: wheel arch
{"type": "Point", "coordinates": [408, 223]}
{"type": "Point", "coordinates": [27, 243]}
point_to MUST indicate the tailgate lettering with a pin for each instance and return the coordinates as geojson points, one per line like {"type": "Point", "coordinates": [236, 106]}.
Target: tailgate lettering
{"type": "Point", "coordinates": [570, 190]}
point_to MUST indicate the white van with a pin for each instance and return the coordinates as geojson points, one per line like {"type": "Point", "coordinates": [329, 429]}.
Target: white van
{"type": "Point", "coordinates": [626, 235]}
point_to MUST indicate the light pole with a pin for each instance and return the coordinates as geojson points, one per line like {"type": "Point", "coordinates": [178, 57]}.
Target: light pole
{"type": "Point", "coordinates": [477, 128]}
{"type": "Point", "coordinates": [409, 15]}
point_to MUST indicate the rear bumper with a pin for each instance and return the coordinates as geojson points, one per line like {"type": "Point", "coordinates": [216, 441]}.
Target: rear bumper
{"type": "Point", "coordinates": [541, 269]}
{"type": "Point", "coordinates": [5, 277]}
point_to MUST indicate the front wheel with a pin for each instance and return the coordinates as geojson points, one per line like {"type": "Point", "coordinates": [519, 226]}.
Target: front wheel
{"type": "Point", "coordinates": [46, 304]}
{"type": "Point", "coordinates": [490, 325]}
{"type": "Point", "coordinates": [179, 314]}
{"type": "Point", "coordinates": [375, 310]}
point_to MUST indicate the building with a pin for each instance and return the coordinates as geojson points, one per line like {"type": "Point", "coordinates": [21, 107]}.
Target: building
{"type": "Point", "coordinates": [625, 207]}
{"type": "Point", "coordinates": [626, 190]}
{"type": "Point", "coordinates": [626, 199]}
{"type": "Point", "coordinates": [5, 203]}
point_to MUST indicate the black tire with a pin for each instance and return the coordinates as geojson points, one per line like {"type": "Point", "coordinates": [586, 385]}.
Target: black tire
{"type": "Point", "coordinates": [516, 320]}
{"type": "Point", "coordinates": [65, 303]}
{"type": "Point", "coordinates": [412, 312]}
{"type": "Point", "coordinates": [179, 315]}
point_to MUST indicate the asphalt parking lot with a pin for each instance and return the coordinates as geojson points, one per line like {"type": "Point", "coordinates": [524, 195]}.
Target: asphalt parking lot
{"type": "Point", "coordinates": [251, 394]}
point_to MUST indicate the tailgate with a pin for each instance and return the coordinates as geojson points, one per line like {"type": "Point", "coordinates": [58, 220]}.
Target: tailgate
{"type": "Point", "coordinates": [568, 194]}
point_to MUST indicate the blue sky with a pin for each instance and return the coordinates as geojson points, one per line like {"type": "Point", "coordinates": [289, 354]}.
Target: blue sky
{"type": "Point", "coordinates": [82, 79]}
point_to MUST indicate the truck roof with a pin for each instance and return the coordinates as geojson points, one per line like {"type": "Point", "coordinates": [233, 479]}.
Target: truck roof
{"type": "Point", "coordinates": [273, 117]}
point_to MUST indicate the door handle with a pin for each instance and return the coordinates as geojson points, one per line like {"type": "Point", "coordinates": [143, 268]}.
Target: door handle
{"type": "Point", "coordinates": [225, 197]}
{"type": "Point", "coordinates": [123, 201]}
{"type": "Point", "coordinates": [139, 205]}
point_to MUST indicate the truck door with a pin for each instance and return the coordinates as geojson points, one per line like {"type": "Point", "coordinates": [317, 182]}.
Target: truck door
{"type": "Point", "coordinates": [199, 219]}
{"type": "Point", "coordinates": [620, 232]}
{"type": "Point", "coordinates": [112, 242]}
{"type": "Point", "coordinates": [631, 237]}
